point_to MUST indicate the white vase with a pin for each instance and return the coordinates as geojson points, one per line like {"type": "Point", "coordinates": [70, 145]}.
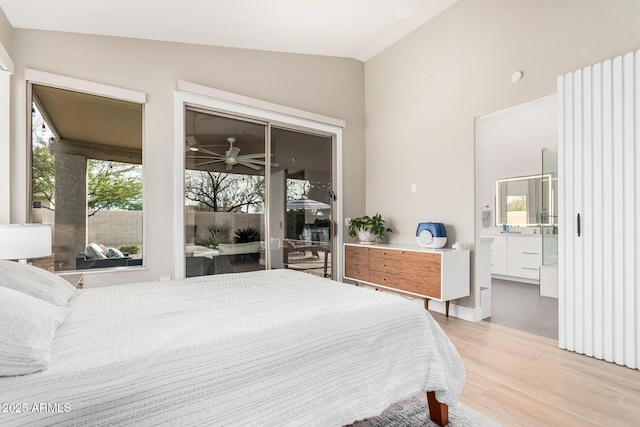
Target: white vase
{"type": "Point", "coordinates": [366, 237]}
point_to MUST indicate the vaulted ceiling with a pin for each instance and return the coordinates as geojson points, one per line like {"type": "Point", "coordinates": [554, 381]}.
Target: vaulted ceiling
{"type": "Point", "coordinates": [357, 29]}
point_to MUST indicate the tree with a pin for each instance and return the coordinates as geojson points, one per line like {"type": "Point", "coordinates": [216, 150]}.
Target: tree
{"type": "Point", "coordinates": [297, 188]}
{"type": "Point", "coordinates": [113, 185]}
{"type": "Point", "coordinates": [42, 165]}
{"type": "Point", "coordinates": [517, 202]}
{"type": "Point", "coordinates": [224, 192]}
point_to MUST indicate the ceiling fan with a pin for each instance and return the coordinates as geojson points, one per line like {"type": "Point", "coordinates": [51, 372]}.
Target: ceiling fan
{"type": "Point", "coordinates": [231, 157]}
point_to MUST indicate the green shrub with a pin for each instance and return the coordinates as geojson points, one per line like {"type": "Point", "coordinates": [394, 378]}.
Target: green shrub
{"type": "Point", "coordinates": [246, 235]}
{"type": "Point", "coordinates": [216, 234]}
{"type": "Point", "coordinates": [131, 249]}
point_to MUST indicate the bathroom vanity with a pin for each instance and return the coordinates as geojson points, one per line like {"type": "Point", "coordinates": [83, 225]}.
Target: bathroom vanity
{"type": "Point", "coordinates": [516, 256]}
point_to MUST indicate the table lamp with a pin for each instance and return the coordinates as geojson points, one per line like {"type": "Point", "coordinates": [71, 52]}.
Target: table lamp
{"type": "Point", "coordinates": [23, 241]}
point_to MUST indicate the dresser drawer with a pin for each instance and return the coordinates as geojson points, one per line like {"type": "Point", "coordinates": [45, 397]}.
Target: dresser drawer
{"type": "Point", "coordinates": [384, 279]}
{"type": "Point", "coordinates": [357, 255]}
{"type": "Point", "coordinates": [356, 263]}
{"type": "Point", "coordinates": [422, 273]}
{"type": "Point", "coordinates": [385, 265]}
{"type": "Point", "coordinates": [422, 286]}
{"type": "Point", "coordinates": [385, 254]}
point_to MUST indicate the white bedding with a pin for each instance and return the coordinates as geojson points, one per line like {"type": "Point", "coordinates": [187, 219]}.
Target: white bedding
{"type": "Point", "coordinates": [269, 348]}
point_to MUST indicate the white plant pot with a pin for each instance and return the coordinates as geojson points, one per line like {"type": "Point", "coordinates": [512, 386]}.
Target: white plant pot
{"type": "Point", "coordinates": [366, 237]}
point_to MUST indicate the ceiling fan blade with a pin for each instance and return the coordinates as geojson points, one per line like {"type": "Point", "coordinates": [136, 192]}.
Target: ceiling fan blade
{"type": "Point", "coordinates": [232, 152]}
{"type": "Point", "coordinates": [203, 150]}
{"type": "Point", "coordinates": [252, 156]}
{"type": "Point", "coordinates": [250, 165]}
{"type": "Point", "coordinates": [257, 162]}
{"type": "Point", "coordinates": [207, 163]}
{"type": "Point", "coordinates": [205, 158]}
{"type": "Point", "coordinates": [241, 159]}
{"type": "Point", "coordinates": [191, 141]}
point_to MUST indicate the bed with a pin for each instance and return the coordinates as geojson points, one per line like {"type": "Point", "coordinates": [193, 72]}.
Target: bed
{"type": "Point", "coordinates": [269, 348]}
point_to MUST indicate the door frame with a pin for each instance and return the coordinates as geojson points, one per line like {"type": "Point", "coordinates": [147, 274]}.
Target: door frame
{"type": "Point", "coordinates": [215, 100]}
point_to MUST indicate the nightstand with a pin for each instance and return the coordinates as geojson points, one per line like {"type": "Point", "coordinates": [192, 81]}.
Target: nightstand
{"type": "Point", "coordinates": [76, 279]}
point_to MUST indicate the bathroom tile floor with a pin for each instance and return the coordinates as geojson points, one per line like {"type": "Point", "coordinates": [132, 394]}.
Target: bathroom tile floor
{"type": "Point", "coordinates": [519, 306]}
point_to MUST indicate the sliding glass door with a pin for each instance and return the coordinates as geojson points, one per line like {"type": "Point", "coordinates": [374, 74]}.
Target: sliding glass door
{"type": "Point", "coordinates": [224, 194]}
{"type": "Point", "coordinates": [300, 212]}
{"type": "Point", "coordinates": [239, 218]}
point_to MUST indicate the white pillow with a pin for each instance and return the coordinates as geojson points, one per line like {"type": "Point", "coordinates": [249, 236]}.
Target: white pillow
{"type": "Point", "coordinates": [27, 328]}
{"type": "Point", "coordinates": [114, 253]}
{"type": "Point", "coordinates": [94, 251]}
{"type": "Point", "coordinates": [36, 282]}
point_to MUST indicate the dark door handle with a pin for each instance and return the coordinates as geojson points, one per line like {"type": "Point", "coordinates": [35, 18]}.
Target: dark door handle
{"type": "Point", "coordinates": [578, 225]}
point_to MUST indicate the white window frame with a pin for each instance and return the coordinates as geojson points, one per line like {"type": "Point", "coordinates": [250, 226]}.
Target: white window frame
{"type": "Point", "coordinates": [93, 88]}
{"type": "Point", "coordinates": [6, 69]}
{"type": "Point", "coordinates": [191, 94]}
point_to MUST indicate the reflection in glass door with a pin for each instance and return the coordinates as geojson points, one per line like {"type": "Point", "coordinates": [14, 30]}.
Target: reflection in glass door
{"type": "Point", "coordinates": [300, 201]}
{"type": "Point", "coordinates": [224, 194]}
{"type": "Point", "coordinates": [227, 192]}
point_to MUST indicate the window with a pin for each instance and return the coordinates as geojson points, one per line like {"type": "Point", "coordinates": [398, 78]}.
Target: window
{"type": "Point", "coordinates": [86, 177]}
{"type": "Point", "coordinates": [517, 209]}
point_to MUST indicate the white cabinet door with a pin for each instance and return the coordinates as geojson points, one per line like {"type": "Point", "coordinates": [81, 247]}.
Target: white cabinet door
{"type": "Point", "coordinates": [499, 255]}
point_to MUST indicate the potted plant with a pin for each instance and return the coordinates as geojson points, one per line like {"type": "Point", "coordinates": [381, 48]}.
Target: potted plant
{"type": "Point", "coordinates": [368, 229]}
{"type": "Point", "coordinates": [247, 235]}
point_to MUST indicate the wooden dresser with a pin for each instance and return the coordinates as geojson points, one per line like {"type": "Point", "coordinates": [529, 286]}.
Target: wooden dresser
{"type": "Point", "coordinates": [438, 274]}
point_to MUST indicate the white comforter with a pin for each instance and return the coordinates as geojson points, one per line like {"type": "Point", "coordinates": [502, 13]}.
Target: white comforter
{"type": "Point", "coordinates": [269, 348]}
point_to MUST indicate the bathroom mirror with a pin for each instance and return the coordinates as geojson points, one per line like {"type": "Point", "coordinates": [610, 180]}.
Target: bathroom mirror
{"type": "Point", "coordinates": [519, 201]}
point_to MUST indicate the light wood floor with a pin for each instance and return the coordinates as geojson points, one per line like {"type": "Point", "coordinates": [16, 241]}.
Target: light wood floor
{"type": "Point", "coordinates": [520, 379]}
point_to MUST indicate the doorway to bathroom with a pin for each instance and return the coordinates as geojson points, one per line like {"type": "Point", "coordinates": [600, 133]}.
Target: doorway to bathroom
{"type": "Point", "coordinates": [516, 205]}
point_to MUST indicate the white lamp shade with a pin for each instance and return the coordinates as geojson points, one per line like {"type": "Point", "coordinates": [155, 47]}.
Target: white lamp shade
{"type": "Point", "coordinates": [23, 241]}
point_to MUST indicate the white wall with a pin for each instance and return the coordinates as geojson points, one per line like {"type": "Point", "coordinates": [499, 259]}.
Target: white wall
{"type": "Point", "coordinates": [423, 94]}
{"type": "Point", "coordinates": [5, 148]}
{"type": "Point", "coordinates": [5, 32]}
{"type": "Point", "coordinates": [5, 128]}
{"type": "Point", "coordinates": [329, 86]}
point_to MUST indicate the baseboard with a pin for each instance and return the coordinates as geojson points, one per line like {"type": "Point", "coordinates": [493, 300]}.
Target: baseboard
{"type": "Point", "coordinates": [459, 311]}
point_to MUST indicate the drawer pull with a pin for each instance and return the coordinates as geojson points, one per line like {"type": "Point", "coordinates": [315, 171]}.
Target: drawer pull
{"type": "Point", "coordinates": [529, 268]}
{"type": "Point", "coordinates": [530, 253]}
